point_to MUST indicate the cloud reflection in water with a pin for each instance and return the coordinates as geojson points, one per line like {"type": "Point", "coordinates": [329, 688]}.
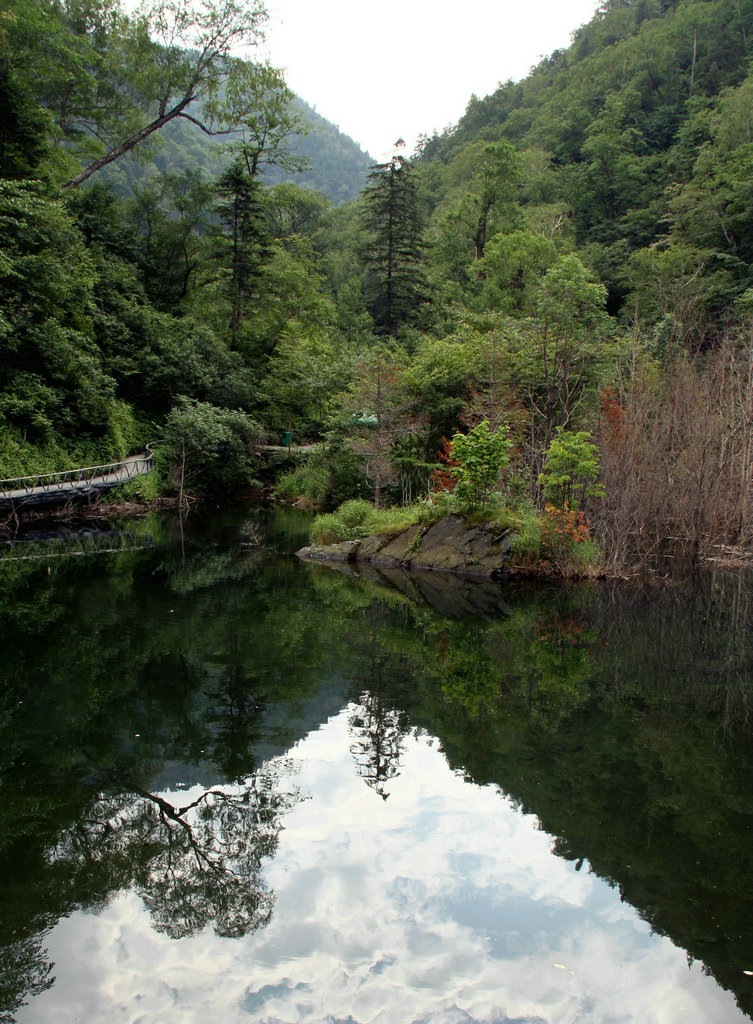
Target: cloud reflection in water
{"type": "Point", "coordinates": [441, 904]}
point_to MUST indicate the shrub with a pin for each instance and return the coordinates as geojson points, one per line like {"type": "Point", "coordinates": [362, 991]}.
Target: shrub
{"type": "Point", "coordinates": [357, 518]}
{"type": "Point", "coordinates": [331, 475]}
{"type": "Point", "coordinates": [308, 482]}
{"type": "Point", "coordinates": [566, 541]}
{"type": "Point", "coordinates": [570, 470]}
{"type": "Point", "coordinates": [350, 521]}
{"type": "Point", "coordinates": [478, 458]}
{"type": "Point", "coordinates": [528, 541]}
{"type": "Point", "coordinates": [213, 447]}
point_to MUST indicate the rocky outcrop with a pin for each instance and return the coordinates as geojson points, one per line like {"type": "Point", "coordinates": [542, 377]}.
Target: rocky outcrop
{"type": "Point", "coordinates": [450, 544]}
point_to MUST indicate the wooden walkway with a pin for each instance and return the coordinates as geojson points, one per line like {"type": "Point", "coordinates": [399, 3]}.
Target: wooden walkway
{"type": "Point", "coordinates": [72, 483]}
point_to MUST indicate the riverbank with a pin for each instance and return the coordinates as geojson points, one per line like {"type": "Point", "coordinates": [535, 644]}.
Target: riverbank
{"type": "Point", "coordinates": [448, 544]}
{"type": "Point", "coordinates": [76, 512]}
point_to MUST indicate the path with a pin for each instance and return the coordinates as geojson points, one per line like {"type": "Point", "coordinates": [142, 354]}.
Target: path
{"type": "Point", "coordinates": [72, 483]}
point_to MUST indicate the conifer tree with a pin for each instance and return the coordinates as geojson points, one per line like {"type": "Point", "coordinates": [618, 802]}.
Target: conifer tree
{"type": "Point", "coordinates": [247, 243]}
{"type": "Point", "coordinates": [393, 251]}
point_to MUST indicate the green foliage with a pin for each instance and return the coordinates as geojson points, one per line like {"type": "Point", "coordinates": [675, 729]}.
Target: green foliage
{"type": "Point", "coordinates": [512, 267]}
{"type": "Point", "coordinates": [210, 447]}
{"type": "Point", "coordinates": [480, 456]}
{"type": "Point", "coordinates": [571, 470]}
{"type": "Point", "coordinates": [528, 541]}
{"type": "Point", "coordinates": [245, 242]}
{"type": "Point", "coordinates": [307, 485]}
{"type": "Point", "coordinates": [331, 474]}
{"type": "Point", "coordinates": [142, 490]}
{"type": "Point", "coordinates": [51, 377]}
{"type": "Point", "coordinates": [356, 519]}
{"type": "Point", "coordinates": [21, 457]}
{"type": "Point", "coordinates": [352, 520]}
{"type": "Point", "coordinates": [334, 166]}
{"type": "Point", "coordinates": [611, 131]}
{"type": "Point", "coordinates": [438, 378]}
{"type": "Point", "coordinates": [599, 207]}
{"type": "Point", "coordinates": [24, 127]}
{"type": "Point", "coordinates": [392, 248]}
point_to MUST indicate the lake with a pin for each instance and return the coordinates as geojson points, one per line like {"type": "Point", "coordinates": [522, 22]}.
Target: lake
{"type": "Point", "coordinates": [241, 788]}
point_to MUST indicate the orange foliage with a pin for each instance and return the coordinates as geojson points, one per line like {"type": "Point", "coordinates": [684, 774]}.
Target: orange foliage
{"type": "Point", "coordinates": [563, 525]}
{"type": "Point", "coordinates": [442, 479]}
{"type": "Point", "coordinates": [613, 413]}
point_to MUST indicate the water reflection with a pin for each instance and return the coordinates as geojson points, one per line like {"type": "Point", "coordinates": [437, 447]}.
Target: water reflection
{"type": "Point", "coordinates": [377, 732]}
{"type": "Point", "coordinates": [150, 703]}
{"type": "Point", "coordinates": [444, 903]}
{"type": "Point", "coordinates": [193, 863]}
{"type": "Point", "coordinates": [194, 859]}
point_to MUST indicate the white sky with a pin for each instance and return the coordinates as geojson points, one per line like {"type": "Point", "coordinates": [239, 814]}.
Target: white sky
{"type": "Point", "coordinates": [389, 69]}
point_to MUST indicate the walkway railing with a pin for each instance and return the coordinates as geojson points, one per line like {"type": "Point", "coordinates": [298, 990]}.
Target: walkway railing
{"type": "Point", "coordinates": [42, 487]}
{"type": "Point", "coordinates": [70, 544]}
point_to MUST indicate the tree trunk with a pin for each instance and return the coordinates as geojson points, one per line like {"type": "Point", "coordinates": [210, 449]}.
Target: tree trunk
{"type": "Point", "coordinates": [129, 143]}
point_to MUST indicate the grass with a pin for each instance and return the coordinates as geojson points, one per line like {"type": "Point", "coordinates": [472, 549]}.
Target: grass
{"type": "Point", "coordinates": [536, 549]}
{"type": "Point", "coordinates": [358, 518]}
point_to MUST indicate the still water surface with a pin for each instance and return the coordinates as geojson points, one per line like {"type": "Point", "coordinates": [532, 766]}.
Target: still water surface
{"type": "Point", "coordinates": [240, 788]}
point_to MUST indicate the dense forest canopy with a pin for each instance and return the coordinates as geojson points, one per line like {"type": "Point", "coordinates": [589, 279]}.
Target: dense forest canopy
{"type": "Point", "coordinates": [572, 263]}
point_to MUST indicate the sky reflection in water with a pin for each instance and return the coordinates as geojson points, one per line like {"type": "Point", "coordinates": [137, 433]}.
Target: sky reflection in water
{"type": "Point", "coordinates": [442, 903]}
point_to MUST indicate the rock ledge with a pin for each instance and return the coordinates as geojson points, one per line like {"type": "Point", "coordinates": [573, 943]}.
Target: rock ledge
{"type": "Point", "coordinates": [450, 544]}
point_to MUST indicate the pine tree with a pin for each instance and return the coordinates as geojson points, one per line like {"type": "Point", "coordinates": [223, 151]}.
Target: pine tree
{"type": "Point", "coordinates": [247, 243]}
{"type": "Point", "coordinates": [396, 286]}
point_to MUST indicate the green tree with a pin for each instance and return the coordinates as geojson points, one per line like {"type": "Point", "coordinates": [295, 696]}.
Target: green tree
{"type": "Point", "coordinates": [211, 446]}
{"type": "Point", "coordinates": [265, 124]}
{"type": "Point", "coordinates": [303, 373]}
{"type": "Point", "coordinates": [571, 470]}
{"type": "Point", "coordinates": [497, 173]}
{"type": "Point", "coordinates": [24, 126]}
{"type": "Point", "coordinates": [51, 374]}
{"type": "Point", "coordinates": [378, 408]}
{"type": "Point", "coordinates": [480, 456]}
{"type": "Point", "coordinates": [570, 327]}
{"type": "Point", "coordinates": [393, 248]}
{"type": "Point", "coordinates": [290, 302]}
{"type": "Point", "coordinates": [165, 59]}
{"type": "Point", "coordinates": [292, 210]}
{"type": "Point", "coordinates": [245, 242]}
{"type": "Point", "coordinates": [174, 217]}
{"type": "Point", "coordinates": [512, 268]}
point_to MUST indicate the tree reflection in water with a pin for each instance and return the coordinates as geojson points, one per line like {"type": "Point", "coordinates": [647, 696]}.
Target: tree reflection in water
{"type": "Point", "coordinates": [378, 731]}
{"type": "Point", "coordinates": [24, 971]}
{"type": "Point", "coordinates": [194, 864]}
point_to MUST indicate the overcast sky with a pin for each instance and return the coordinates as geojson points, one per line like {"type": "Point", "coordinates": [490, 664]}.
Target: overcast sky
{"type": "Point", "coordinates": [402, 68]}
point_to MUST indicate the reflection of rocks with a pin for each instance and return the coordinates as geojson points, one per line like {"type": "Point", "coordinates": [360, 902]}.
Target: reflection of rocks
{"type": "Point", "coordinates": [450, 544]}
{"type": "Point", "coordinates": [456, 597]}
{"type": "Point", "coordinates": [453, 596]}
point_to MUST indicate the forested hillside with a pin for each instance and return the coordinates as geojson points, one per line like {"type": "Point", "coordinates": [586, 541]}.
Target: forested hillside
{"type": "Point", "coordinates": [635, 135]}
{"type": "Point", "coordinates": [325, 160]}
{"type": "Point", "coordinates": [562, 282]}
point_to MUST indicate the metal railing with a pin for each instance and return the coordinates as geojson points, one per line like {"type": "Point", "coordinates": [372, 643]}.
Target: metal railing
{"type": "Point", "coordinates": [77, 481]}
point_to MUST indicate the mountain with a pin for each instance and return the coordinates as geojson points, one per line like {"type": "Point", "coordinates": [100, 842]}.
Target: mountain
{"type": "Point", "coordinates": [636, 135]}
{"type": "Point", "coordinates": [337, 165]}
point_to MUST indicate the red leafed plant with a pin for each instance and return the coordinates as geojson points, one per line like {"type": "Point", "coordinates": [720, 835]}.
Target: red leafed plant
{"type": "Point", "coordinates": [613, 413]}
{"type": "Point", "coordinates": [442, 477]}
